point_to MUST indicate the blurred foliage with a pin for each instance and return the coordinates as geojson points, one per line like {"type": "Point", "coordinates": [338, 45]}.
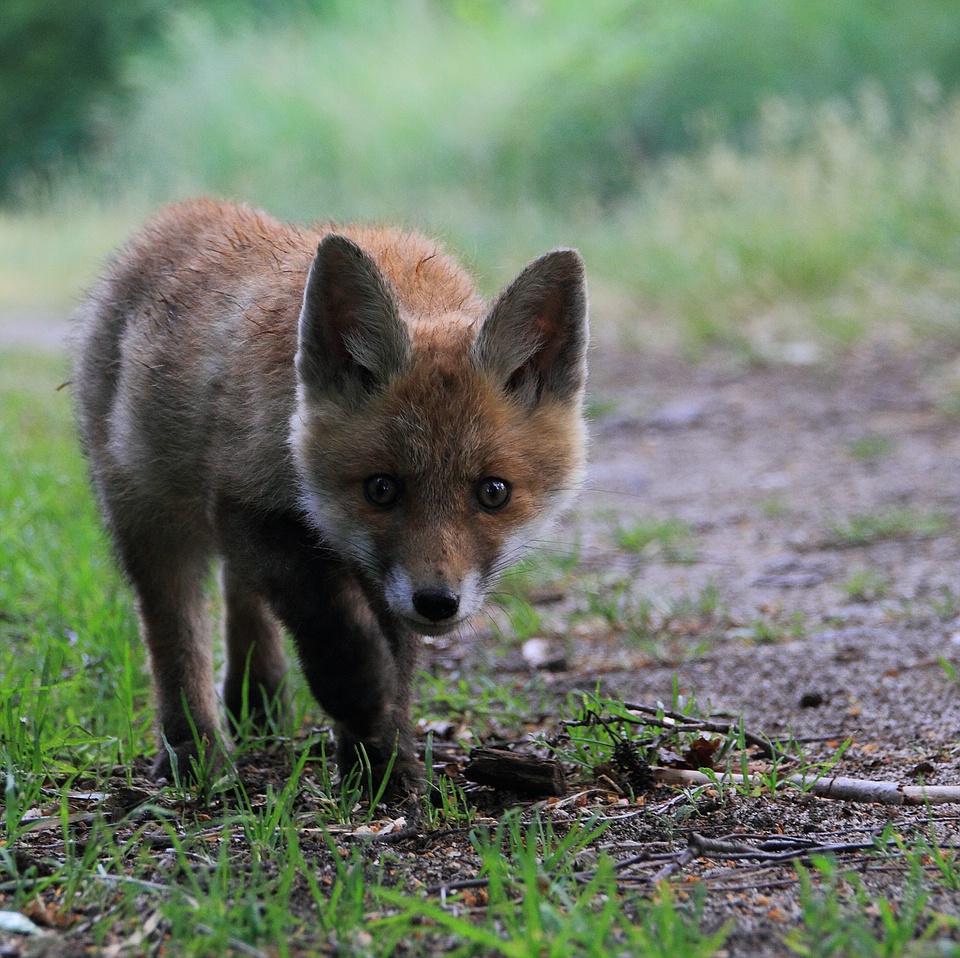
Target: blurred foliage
{"type": "Point", "coordinates": [753, 183]}
{"type": "Point", "coordinates": [65, 68]}
{"type": "Point", "coordinates": [660, 78]}
{"type": "Point", "coordinates": [531, 100]}
{"type": "Point", "coordinates": [62, 68]}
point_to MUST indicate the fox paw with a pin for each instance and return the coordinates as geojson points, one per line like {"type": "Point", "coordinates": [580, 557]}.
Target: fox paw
{"type": "Point", "coordinates": [189, 761]}
{"type": "Point", "coordinates": [398, 773]}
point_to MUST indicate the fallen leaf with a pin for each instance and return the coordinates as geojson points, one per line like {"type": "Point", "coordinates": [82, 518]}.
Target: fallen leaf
{"type": "Point", "coordinates": [701, 752]}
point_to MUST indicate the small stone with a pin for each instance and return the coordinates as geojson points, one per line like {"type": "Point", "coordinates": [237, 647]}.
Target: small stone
{"type": "Point", "coordinates": [544, 655]}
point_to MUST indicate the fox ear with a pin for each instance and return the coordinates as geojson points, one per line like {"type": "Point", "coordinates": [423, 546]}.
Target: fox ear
{"type": "Point", "coordinates": [351, 340]}
{"type": "Point", "coordinates": [534, 339]}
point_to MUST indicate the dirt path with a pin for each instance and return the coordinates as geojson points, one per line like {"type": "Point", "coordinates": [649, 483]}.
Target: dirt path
{"type": "Point", "coordinates": [817, 590]}
{"type": "Point", "coordinates": [824, 506]}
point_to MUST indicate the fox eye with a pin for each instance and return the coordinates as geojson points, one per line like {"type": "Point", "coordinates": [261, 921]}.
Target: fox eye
{"type": "Point", "coordinates": [382, 491]}
{"type": "Point", "coordinates": [493, 493]}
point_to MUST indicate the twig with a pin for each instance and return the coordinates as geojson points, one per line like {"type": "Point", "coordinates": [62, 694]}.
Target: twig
{"type": "Point", "coordinates": [731, 847]}
{"type": "Point", "coordinates": [761, 742]}
{"type": "Point", "coordinates": [689, 854]}
{"type": "Point", "coordinates": [841, 788]}
{"type": "Point", "coordinates": [446, 887]}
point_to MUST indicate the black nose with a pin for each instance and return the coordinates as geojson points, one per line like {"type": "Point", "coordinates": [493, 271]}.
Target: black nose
{"type": "Point", "coordinates": [436, 604]}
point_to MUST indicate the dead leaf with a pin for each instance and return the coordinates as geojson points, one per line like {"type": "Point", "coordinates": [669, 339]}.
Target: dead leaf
{"type": "Point", "coordinates": [701, 752]}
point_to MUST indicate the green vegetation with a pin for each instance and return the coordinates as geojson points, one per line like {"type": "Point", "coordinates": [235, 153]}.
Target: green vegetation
{"type": "Point", "coordinates": [893, 522]}
{"type": "Point", "coordinates": [575, 919]}
{"type": "Point", "coordinates": [770, 630]}
{"type": "Point", "coordinates": [668, 539]}
{"type": "Point", "coordinates": [870, 447]}
{"type": "Point", "coordinates": [65, 622]}
{"type": "Point", "coordinates": [798, 184]}
{"type": "Point", "coordinates": [865, 585]}
{"type": "Point", "coordinates": [667, 628]}
{"type": "Point", "coordinates": [838, 915]}
{"type": "Point", "coordinates": [61, 66]}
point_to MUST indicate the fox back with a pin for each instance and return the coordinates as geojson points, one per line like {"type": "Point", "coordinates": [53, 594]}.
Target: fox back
{"type": "Point", "coordinates": [339, 417]}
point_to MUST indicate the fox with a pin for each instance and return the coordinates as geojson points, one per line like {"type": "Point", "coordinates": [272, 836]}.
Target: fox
{"type": "Point", "coordinates": [337, 418]}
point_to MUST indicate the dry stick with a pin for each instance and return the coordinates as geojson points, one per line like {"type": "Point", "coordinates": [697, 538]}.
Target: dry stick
{"type": "Point", "coordinates": [724, 728]}
{"type": "Point", "coordinates": [700, 846]}
{"type": "Point", "coordinates": [840, 788]}
{"type": "Point", "coordinates": [730, 848]}
{"type": "Point", "coordinates": [689, 854]}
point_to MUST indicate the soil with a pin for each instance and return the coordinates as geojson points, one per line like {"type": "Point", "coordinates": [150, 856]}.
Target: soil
{"type": "Point", "coordinates": [814, 592]}
{"type": "Point", "coordinates": [779, 471]}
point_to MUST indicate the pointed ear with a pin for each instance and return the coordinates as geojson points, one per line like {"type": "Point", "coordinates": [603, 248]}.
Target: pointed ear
{"type": "Point", "coordinates": [351, 340]}
{"type": "Point", "coordinates": [534, 339]}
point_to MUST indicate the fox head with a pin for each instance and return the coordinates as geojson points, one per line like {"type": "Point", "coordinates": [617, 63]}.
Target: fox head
{"type": "Point", "coordinates": [434, 440]}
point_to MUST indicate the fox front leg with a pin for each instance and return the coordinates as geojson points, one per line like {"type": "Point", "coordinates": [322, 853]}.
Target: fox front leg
{"type": "Point", "coordinates": [359, 672]}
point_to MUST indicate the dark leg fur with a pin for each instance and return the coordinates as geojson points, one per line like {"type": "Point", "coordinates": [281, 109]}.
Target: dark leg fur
{"type": "Point", "coordinates": [359, 671]}
{"type": "Point", "coordinates": [254, 655]}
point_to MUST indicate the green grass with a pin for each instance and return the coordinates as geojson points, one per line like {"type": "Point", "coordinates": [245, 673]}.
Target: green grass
{"type": "Point", "coordinates": [73, 676]}
{"type": "Point", "coordinates": [555, 915]}
{"type": "Point", "coordinates": [668, 539]}
{"type": "Point", "coordinates": [865, 585]}
{"type": "Point", "coordinates": [841, 917]}
{"type": "Point", "coordinates": [771, 629]}
{"type": "Point", "coordinates": [870, 447]}
{"type": "Point", "coordinates": [891, 522]}
{"type": "Point", "coordinates": [667, 628]}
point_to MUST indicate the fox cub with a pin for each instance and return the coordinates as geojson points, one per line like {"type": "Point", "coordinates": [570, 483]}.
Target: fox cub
{"type": "Point", "coordinates": [337, 416]}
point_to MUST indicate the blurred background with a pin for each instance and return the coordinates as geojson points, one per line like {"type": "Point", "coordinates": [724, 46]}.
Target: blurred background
{"type": "Point", "coordinates": [775, 176]}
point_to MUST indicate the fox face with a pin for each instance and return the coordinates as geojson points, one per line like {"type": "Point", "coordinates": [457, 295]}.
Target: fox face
{"type": "Point", "coordinates": [432, 453]}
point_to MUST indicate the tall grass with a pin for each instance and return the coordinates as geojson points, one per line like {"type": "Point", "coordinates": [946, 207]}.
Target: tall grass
{"type": "Point", "coordinates": [835, 226]}
{"type": "Point", "coordinates": [653, 78]}
{"type": "Point", "coordinates": [550, 100]}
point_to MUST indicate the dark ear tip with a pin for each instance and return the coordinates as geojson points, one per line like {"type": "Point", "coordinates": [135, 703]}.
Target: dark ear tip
{"type": "Point", "coordinates": [567, 255]}
{"type": "Point", "coordinates": [335, 240]}
{"type": "Point", "coordinates": [568, 252]}
{"type": "Point", "coordinates": [563, 262]}
{"type": "Point", "coordinates": [338, 244]}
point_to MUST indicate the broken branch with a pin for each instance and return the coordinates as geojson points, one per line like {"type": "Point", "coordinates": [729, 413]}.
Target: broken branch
{"type": "Point", "coordinates": [515, 772]}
